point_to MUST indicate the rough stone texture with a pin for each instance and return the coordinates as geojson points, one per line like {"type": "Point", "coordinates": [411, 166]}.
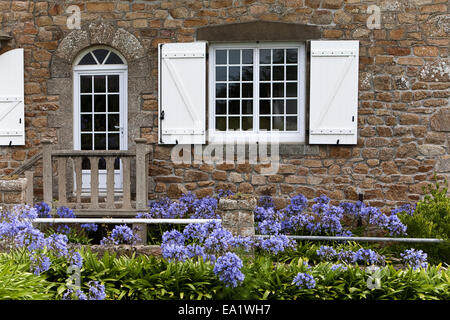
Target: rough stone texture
{"type": "Point", "coordinates": [404, 81]}
{"type": "Point", "coordinates": [12, 192]}
{"type": "Point", "coordinates": [237, 215]}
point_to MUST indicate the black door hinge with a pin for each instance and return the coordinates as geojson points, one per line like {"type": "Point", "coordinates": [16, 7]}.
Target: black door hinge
{"type": "Point", "coordinates": [161, 117]}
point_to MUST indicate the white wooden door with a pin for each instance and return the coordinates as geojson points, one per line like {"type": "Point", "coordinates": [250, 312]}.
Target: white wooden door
{"type": "Point", "coordinates": [100, 119]}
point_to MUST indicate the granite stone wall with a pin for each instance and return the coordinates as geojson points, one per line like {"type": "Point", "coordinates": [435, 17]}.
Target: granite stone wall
{"type": "Point", "coordinates": [404, 79]}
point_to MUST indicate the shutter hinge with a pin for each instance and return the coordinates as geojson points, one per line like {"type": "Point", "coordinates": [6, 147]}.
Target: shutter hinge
{"type": "Point", "coordinates": [161, 117]}
{"type": "Point", "coordinates": [353, 118]}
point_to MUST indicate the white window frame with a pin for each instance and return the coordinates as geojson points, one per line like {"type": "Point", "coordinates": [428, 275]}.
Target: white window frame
{"type": "Point", "coordinates": [109, 69]}
{"type": "Point", "coordinates": [256, 135]}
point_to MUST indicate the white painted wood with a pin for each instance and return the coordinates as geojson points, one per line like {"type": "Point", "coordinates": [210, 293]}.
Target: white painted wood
{"type": "Point", "coordinates": [182, 93]}
{"type": "Point", "coordinates": [122, 71]}
{"type": "Point", "coordinates": [12, 117]}
{"type": "Point", "coordinates": [333, 113]}
{"type": "Point", "coordinates": [257, 135]}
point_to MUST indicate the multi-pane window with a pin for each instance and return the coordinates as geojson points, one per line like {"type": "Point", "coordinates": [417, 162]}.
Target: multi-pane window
{"type": "Point", "coordinates": [257, 89]}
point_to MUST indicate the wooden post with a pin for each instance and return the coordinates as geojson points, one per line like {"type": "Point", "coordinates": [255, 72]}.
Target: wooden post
{"type": "Point", "coordinates": [78, 179]}
{"type": "Point", "coordinates": [47, 172]}
{"type": "Point", "coordinates": [141, 186]}
{"type": "Point", "coordinates": [29, 190]}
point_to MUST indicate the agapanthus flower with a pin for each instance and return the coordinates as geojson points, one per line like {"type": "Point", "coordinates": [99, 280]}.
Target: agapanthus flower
{"type": "Point", "coordinates": [407, 208]}
{"type": "Point", "coordinates": [276, 244]}
{"type": "Point", "coordinates": [43, 210]}
{"type": "Point", "coordinates": [326, 252]}
{"type": "Point", "coordinates": [415, 258]}
{"type": "Point", "coordinates": [367, 256]}
{"type": "Point", "coordinates": [338, 266]}
{"type": "Point", "coordinates": [174, 252]}
{"type": "Point", "coordinates": [39, 263]}
{"type": "Point", "coordinates": [304, 280]}
{"type": "Point", "coordinates": [121, 234]}
{"type": "Point", "coordinates": [227, 267]}
{"type": "Point", "coordinates": [90, 227]}
{"type": "Point", "coordinates": [265, 202]}
{"type": "Point", "coordinates": [173, 236]}
{"type": "Point", "coordinates": [205, 208]}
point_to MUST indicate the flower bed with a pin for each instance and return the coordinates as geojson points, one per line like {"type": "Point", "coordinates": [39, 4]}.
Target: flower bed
{"type": "Point", "coordinates": [208, 261]}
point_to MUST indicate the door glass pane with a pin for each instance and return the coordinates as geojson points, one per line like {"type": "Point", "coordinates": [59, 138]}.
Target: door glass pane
{"type": "Point", "coordinates": [99, 122]}
{"type": "Point", "coordinates": [264, 73]}
{"type": "Point", "coordinates": [88, 59]}
{"type": "Point", "coordinates": [86, 84]}
{"type": "Point", "coordinates": [278, 106]}
{"type": "Point", "coordinates": [264, 106]}
{"type": "Point", "coordinates": [264, 90]}
{"type": "Point", "coordinates": [86, 103]}
{"type": "Point", "coordinates": [291, 55]}
{"type": "Point", "coordinates": [291, 73]}
{"type": "Point", "coordinates": [247, 90]}
{"type": "Point", "coordinates": [86, 141]}
{"type": "Point", "coordinates": [86, 122]}
{"type": "Point", "coordinates": [278, 90]}
{"type": "Point", "coordinates": [291, 106]}
{"type": "Point", "coordinates": [100, 103]}
{"type": "Point", "coordinates": [113, 59]}
{"type": "Point", "coordinates": [233, 90]}
{"type": "Point", "coordinates": [113, 103]}
{"type": "Point", "coordinates": [113, 141]}
{"type": "Point", "coordinates": [221, 90]}
{"type": "Point", "coordinates": [278, 73]}
{"type": "Point", "coordinates": [291, 89]}
{"type": "Point", "coordinates": [113, 83]}
{"type": "Point", "coordinates": [100, 141]}
{"type": "Point", "coordinates": [113, 122]}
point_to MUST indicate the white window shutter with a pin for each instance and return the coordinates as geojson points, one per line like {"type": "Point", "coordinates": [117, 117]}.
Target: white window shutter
{"type": "Point", "coordinates": [182, 93]}
{"type": "Point", "coordinates": [12, 122]}
{"type": "Point", "coordinates": [333, 92]}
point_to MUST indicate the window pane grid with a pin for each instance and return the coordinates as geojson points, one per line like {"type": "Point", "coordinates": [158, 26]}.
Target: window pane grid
{"type": "Point", "coordinates": [274, 93]}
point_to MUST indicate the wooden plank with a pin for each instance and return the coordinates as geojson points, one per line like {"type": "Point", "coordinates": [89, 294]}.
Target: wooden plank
{"type": "Point", "coordinates": [29, 190]}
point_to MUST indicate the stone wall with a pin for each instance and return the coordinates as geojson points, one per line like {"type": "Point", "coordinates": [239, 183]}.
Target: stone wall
{"type": "Point", "coordinates": [404, 77]}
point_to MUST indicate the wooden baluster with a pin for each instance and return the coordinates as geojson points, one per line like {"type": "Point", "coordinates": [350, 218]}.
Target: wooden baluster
{"type": "Point", "coordinates": [126, 183]}
{"type": "Point", "coordinates": [110, 182]}
{"type": "Point", "coordinates": [47, 172]}
{"type": "Point", "coordinates": [78, 172]}
{"type": "Point", "coordinates": [62, 194]}
{"type": "Point", "coordinates": [94, 182]}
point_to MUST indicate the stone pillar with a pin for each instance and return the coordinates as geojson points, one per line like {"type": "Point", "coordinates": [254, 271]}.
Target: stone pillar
{"type": "Point", "coordinates": [12, 192]}
{"type": "Point", "coordinates": [237, 215]}
{"type": "Point", "coordinates": [141, 187]}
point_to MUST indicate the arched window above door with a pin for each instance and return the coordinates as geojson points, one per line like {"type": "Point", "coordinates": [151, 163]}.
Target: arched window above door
{"type": "Point", "coordinates": [100, 56]}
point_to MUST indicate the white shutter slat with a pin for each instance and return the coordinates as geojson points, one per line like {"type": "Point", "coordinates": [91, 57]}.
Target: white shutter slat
{"type": "Point", "coordinates": [333, 92]}
{"type": "Point", "coordinates": [182, 93]}
{"type": "Point", "coordinates": [12, 123]}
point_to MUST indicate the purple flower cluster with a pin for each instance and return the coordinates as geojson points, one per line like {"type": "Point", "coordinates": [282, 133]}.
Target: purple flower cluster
{"type": "Point", "coordinates": [367, 256]}
{"type": "Point", "coordinates": [407, 208]}
{"type": "Point", "coordinates": [414, 258]}
{"type": "Point", "coordinates": [121, 234]}
{"type": "Point", "coordinates": [96, 291]}
{"type": "Point", "coordinates": [338, 266]}
{"type": "Point", "coordinates": [227, 267]}
{"type": "Point", "coordinates": [43, 210]}
{"type": "Point", "coordinates": [304, 281]}
{"type": "Point", "coordinates": [16, 228]}
{"type": "Point", "coordinates": [64, 212]}
{"type": "Point", "coordinates": [90, 227]}
{"type": "Point", "coordinates": [326, 253]}
{"type": "Point", "coordinates": [188, 206]}
{"type": "Point", "coordinates": [275, 244]}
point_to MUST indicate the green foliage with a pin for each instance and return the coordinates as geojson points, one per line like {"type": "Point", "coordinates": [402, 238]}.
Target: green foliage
{"type": "Point", "coordinates": [17, 283]}
{"type": "Point", "coordinates": [431, 219]}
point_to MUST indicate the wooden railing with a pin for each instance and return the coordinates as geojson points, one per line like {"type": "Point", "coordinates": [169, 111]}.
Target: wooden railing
{"type": "Point", "coordinates": [65, 159]}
